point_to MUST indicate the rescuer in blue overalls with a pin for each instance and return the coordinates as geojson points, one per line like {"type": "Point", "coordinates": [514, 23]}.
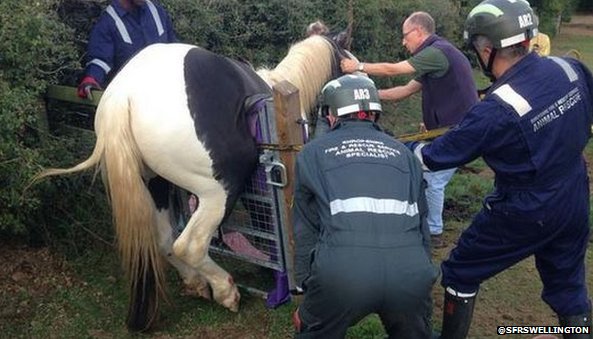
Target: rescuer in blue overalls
{"type": "Point", "coordinates": [531, 129]}
{"type": "Point", "coordinates": [123, 29]}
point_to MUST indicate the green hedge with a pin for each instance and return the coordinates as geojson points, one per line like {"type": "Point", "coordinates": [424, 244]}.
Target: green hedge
{"type": "Point", "coordinates": [36, 49]}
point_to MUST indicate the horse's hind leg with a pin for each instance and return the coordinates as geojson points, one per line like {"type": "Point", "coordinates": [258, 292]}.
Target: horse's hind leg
{"type": "Point", "coordinates": [194, 283]}
{"type": "Point", "coordinates": [192, 245]}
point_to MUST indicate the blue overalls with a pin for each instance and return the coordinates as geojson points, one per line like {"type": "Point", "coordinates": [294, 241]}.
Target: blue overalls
{"type": "Point", "coordinates": [119, 34]}
{"type": "Point", "coordinates": [531, 129]}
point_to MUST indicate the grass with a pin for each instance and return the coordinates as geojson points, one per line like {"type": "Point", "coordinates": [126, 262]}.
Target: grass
{"type": "Point", "coordinates": [86, 298]}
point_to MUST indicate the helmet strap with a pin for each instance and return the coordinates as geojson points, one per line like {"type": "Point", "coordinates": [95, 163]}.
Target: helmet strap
{"type": "Point", "coordinates": [487, 69]}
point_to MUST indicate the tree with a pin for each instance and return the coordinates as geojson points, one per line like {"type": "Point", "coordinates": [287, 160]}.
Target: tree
{"type": "Point", "coordinates": [552, 12]}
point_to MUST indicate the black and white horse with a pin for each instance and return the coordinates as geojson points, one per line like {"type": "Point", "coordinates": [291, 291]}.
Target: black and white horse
{"type": "Point", "coordinates": [179, 114]}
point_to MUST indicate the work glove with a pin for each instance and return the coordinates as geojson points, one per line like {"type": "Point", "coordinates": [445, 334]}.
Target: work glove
{"type": "Point", "coordinates": [87, 84]}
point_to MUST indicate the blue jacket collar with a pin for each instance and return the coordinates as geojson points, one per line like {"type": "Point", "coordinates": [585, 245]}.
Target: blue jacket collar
{"type": "Point", "coordinates": [526, 61]}
{"type": "Point", "coordinates": [120, 10]}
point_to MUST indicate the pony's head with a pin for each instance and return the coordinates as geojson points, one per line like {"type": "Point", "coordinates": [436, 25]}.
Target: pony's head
{"type": "Point", "coordinates": [309, 64]}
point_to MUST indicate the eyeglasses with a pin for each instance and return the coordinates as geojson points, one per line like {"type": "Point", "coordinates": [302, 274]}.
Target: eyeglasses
{"type": "Point", "coordinates": [410, 31]}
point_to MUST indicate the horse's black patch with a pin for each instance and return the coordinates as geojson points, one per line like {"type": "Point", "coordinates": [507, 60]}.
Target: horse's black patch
{"type": "Point", "coordinates": [220, 91]}
{"type": "Point", "coordinates": [159, 190]}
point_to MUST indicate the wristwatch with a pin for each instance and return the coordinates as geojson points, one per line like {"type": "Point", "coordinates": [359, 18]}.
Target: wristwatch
{"type": "Point", "coordinates": [360, 67]}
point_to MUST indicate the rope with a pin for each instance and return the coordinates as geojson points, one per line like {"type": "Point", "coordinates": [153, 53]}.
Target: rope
{"type": "Point", "coordinates": [428, 135]}
{"type": "Point", "coordinates": [575, 52]}
{"type": "Point", "coordinates": [285, 148]}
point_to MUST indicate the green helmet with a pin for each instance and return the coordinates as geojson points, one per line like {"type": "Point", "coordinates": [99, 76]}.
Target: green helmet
{"type": "Point", "coordinates": [503, 22]}
{"type": "Point", "coordinates": [350, 94]}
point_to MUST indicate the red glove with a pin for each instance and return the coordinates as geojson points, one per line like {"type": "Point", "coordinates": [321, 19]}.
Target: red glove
{"type": "Point", "coordinates": [86, 85]}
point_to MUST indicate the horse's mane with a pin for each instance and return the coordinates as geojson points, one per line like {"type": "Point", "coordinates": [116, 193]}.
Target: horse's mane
{"type": "Point", "coordinates": [308, 66]}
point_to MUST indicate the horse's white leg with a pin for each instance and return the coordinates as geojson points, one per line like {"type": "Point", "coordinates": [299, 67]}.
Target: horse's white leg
{"type": "Point", "coordinates": [192, 247]}
{"type": "Point", "coordinates": [194, 283]}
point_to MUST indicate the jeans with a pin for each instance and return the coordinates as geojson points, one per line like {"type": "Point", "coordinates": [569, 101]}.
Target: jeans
{"type": "Point", "coordinates": [435, 198]}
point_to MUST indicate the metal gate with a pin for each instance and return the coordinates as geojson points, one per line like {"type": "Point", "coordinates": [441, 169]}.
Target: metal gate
{"type": "Point", "coordinates": [256, 229]}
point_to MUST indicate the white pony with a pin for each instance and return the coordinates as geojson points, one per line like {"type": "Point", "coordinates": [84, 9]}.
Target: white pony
{"type": "Point", "coordinates": [178, 114]}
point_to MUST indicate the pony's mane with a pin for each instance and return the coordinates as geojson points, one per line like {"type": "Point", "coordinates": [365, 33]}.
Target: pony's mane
{"type": "Point", "coordinates": [308, 66]}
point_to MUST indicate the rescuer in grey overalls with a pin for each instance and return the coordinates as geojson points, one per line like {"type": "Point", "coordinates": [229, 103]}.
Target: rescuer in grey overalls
{"type": "Point", "coordinates": [362, 243]}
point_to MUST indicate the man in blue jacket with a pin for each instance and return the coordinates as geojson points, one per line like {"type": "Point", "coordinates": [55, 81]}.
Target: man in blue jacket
{"type": "Point", "coordinates": [123, 29]}
{"type": "Point", "coordinates": [362, 242]}
{"type": "Point", "coordinates": [531, 129]}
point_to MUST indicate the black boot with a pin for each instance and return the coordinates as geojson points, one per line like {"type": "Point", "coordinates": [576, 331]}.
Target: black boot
{"type": "Point", "coordinates": [578, 321]}
{"type": "Point", "coordinates": [457, 316]}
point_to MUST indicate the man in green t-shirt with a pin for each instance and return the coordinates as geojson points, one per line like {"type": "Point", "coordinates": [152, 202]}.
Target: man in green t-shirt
{"type": "Point", "coordinates": [444, 76]}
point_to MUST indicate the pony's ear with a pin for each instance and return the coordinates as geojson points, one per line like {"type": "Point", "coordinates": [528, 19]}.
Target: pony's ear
{"type": "Point", "coordinates": [343, 39]}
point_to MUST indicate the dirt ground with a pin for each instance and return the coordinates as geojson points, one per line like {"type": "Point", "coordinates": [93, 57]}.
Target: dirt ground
{"type": "Point", "coordinates": [34, 272]}
{"type": "Point", "coordinates": [579, 25]}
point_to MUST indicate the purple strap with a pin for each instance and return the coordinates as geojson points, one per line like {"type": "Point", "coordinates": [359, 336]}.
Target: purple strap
{"type": "Point", "coordinates": [280, 294]}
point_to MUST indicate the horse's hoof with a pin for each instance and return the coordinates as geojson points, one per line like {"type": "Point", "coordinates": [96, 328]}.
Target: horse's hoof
{"type": "Point", "coordinates": [202, 291]}
{"type": "Point", "coordinates": [205, 293]}
{"type": "Point", "coordinates": [232, 301]}
{"type": "Point", "coordinates": [234, 306]}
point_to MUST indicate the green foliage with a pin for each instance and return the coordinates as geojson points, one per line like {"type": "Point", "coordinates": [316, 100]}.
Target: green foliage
{"type": "Point", "coordinates": [259, 31]}
{"type": "Point", "coordinates": [36, 50]}
{"type": "Point", "coordinates": [551, 12]}
{"type": "Point", "coordinates": [262, 31]}
{"type": "Point", "coordinates": [31, 57]}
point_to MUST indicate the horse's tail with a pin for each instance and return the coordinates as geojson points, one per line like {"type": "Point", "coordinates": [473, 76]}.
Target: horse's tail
{"type": "Point", "coordinates": [93, 160]}
{"type": "Point", "coordinates": [133, 209]}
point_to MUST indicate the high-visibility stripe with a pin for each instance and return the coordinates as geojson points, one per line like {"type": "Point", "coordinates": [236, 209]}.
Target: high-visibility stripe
{"type": "Point", "coordinates": [373, 205]}
{"type": "Point", "coordinates": [334, 83]}
{"type": "Point", "coordinates": [570, 73]}
{"type": "Point", "coordinates": [156, 17]}
{"type": "Point", "coordinates": [121, 28]}
{"type": "Point", "coordinates": [375, 106]}
{"type": "Point", "coordinates": [508, 95]}
{"type": "Point", "coordinates": [101, 64]}
{"type": "Point", "coordinates": [513, 40]}
{"type": "Point", "coordinates": [486, 8]}
{"type": "Point", "coordinates": [459, 294]}
{"type": "Point", "coordinates": [418, 154]}
{"type": "Point", "coordinates": [348, 109]}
